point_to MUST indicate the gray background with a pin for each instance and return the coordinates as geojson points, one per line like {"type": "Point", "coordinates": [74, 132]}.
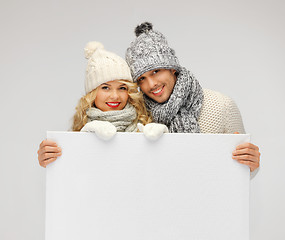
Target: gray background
{"type": "Point", "coordinates": [235, 47]}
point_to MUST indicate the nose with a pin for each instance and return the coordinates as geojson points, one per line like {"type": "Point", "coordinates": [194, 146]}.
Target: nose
{"type": "Point", "coordinates": [152, 83]}
{"type": "Point", "coordinates": [114, 95]}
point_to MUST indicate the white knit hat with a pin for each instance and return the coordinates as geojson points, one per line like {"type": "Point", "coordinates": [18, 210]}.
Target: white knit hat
{"type": "Point", "coordinates": [103, 66]}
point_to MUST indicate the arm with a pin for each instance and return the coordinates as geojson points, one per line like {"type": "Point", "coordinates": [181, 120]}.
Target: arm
{"type": "Point", "coordinates": [247, 153]}
{"type": "Point", "coordinates": [48, 152]}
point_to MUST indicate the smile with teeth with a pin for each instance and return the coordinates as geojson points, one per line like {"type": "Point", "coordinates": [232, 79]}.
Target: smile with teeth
{"type": "Point", "coordinates": [113, 104]}
{"type": "Point", "coordinates": [158, 91]}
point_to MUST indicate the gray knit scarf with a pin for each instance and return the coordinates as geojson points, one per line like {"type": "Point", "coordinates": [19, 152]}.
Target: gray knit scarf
{"type": "Point", "coordinates": [123, 119]}
{"type": "Point", "coordinates": [181, 111]}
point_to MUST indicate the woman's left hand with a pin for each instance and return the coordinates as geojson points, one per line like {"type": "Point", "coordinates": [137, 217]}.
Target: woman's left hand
{"type": "Point", "coordinates": [153, 131]}
{"type": "Point", "coordinates": [248, 154]}
{"type": "Point", "coordinates": [103, 129]}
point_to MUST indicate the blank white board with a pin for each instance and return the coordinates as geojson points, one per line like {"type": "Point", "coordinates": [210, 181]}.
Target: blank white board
{"type": "Point", "coordinates": [183, 186]}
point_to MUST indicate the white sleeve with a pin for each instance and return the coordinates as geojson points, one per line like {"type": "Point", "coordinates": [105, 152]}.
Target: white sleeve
{"type": "Point", "coordinates": [233, 119]}
{"type": "Point", "coordinates": [234, 123]}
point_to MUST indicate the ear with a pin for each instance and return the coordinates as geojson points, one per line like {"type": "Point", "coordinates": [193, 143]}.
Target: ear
{"type": "Point", "coordinates": [173, 71]}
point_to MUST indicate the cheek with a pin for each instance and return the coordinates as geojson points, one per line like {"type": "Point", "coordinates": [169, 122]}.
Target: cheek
{"type": "Point", "coordinates": [125, 97]}
{"type": "Point", "coordinates": [172, 83]}
{"type": "Point", "coordinates": [99, 98]}
{"type": "Point", "coordinates": [96, 101]}
{"type": "Point", "coordinates": [143, 87]}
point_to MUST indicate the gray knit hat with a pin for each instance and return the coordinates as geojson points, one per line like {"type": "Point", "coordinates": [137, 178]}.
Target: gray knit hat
{"type": "Point", "coordinates": [150, 51]}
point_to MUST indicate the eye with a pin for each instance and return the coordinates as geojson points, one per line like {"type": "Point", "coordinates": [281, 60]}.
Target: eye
{"type": "Point", "coordinates": [123, 88]}
{"type": "Point", "coordinates": [140, 79]}
{"type": "Point", "coordinates": [105, 87]}
{"type": "Point", "coordinates": [156, 71]}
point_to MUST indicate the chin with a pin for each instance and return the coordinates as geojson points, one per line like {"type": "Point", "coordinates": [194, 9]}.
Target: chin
{"type": "Point", "coordinates": [163, 99]}
{"type": "Point", "coordinates": [160, 100]}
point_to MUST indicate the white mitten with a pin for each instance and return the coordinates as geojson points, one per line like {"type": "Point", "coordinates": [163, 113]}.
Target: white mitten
{"type": "Point", "coordinates": [153, 131]}
{"type": "Point", "coordinates": [103, 129]}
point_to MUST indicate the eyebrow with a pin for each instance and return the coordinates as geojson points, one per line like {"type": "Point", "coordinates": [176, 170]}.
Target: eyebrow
{"type": "Point", "coordinates": [123, 84]}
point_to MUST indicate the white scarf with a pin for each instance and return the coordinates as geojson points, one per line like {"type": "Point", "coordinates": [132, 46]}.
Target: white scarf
{"type": "Point", "coordinates": [123, 119]}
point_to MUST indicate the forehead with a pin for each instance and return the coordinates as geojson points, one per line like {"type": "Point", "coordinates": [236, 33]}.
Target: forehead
{"type": "Point", "coordinates": [148, 73]}
{"type": "Point", "coordinates": [114, 83]}
{"type": "Point", "coordinates": [151, 71]}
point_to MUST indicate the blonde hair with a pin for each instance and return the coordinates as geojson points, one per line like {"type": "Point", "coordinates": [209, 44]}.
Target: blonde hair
{"type": "Point", "coordinates": [87, 101]}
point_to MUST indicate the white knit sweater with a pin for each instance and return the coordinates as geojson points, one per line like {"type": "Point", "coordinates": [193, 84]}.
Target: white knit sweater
{"type": "Point", "coordinates": [219, 114]}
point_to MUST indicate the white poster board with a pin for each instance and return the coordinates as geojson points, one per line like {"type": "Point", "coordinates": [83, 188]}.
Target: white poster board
{"type": "Point", "coordinates": [183, 186]}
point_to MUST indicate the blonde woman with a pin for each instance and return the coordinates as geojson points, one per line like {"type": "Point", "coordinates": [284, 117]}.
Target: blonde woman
{"type": "Point", "coordinates": [112, 103]}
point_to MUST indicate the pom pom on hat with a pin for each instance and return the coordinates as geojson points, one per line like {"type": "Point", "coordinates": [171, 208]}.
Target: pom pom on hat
{"type": "Point", "coordinates": [91, 47]}
{"type": "Point", "coordinates": [143, 28]}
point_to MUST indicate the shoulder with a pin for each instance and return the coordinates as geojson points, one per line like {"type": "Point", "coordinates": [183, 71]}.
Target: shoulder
{"type": "Point", "coordinates": [212, 112]}
{"type": "Point", "coordinates": [218, 110]}
{"type": "Point", "coordinates": [215, 97]}
{"type": "Point", "coordinates": [214, 100]}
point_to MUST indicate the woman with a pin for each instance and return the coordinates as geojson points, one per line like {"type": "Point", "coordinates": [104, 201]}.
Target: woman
{"type": "Point", "coordinates": [112, 103]}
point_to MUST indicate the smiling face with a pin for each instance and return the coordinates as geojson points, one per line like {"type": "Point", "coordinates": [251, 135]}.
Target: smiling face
{"type": "Point", "coordinates": [112, 95]}
{"type": "Point", "coordinates": [158, 84]}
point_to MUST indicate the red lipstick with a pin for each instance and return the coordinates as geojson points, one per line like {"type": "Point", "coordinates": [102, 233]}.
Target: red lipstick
{"type": "Point", "coordinates": [113, 104]}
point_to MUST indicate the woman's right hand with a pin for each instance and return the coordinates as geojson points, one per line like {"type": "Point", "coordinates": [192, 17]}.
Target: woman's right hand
{"type": "Point", "coordinates": [48, 152]}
